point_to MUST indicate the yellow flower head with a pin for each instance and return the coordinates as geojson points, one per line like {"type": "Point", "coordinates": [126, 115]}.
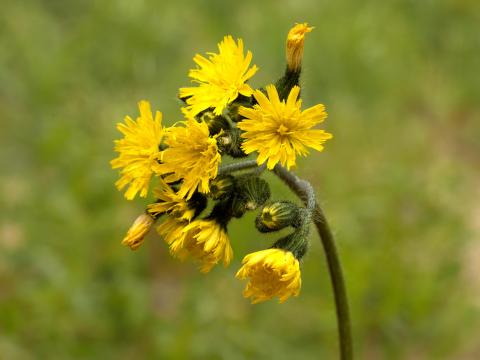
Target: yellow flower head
{"type": "Point", "coordinates": [279, 130]}
{"type": "Point", "coordinates": [138, 231]}
{"type": "Point", "coordinates": [294, 48]}
{"type": "Point", "coordinates": [138, 151]}
{"type": "Point", "coordinates": [221, 78]}
{"type": "Point", "coordinates": [192, 156]}
{"type": "Point", "coordinates": [171, 230]}
{"type": "Point", "coordinates": [206, 241]}
{"type": "Point", "coordinates": [170, 202]}
{"type": "Point", "coordinates": [272, 272]}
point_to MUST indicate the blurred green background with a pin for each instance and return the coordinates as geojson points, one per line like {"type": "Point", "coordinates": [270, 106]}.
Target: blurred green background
{"type": "Point", "coordinates": [400, 181]}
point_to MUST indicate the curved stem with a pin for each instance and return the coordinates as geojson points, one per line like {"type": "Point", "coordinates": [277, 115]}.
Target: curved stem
{"type": "Point", "coordinates": [304, 190]}
{"type": "Point", "coordinates": [243, 165]}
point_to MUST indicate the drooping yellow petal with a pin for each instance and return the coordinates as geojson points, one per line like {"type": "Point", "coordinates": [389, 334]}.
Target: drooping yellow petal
{"type": "Point", "coordinates": [221, 78]}
{"type": "Point", "coordinates": [138, 231]}
{"type": "Point", "coordinates": [138, 151]}
{"type": "Point", "coordinates": [271, 273]}
{"type": "Point", "coordinates": [280, 130]}
{"type": "Point", "coordinates": [205, 241]}
{"type": "Point", "coordinates": [168, 201]}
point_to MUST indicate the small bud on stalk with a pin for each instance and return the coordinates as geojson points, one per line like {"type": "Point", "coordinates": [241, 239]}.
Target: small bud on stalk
{"type": "Point", "coordinates": [221, 187]}
{"type": "Point", "coordinates": [277, 215]}
{"type": "Point", "coordinates": [294, 54]}
{"type": "Point", "coordinates": [297, 243]}
{"type": "Point", "coordinates": [294, 48]}
{"type": "Point", "coordinates": [229, 142]}
{"type": "Point", "coordinates": [251, 193]}
{"type": "Point", "coordinates": [216, 123]}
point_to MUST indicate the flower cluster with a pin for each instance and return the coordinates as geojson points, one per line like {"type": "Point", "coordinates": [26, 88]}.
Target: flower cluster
{"type": "Point", "coordinates": [224, 117]}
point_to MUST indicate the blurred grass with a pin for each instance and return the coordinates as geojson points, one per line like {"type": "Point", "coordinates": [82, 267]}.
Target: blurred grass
{"type": "Point", "coordinates": [400, 181]}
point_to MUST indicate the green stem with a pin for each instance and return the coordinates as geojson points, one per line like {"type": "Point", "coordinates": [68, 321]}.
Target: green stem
{"type": "Point", "coordinates": [304, 190]}
{"type": "Point", "coordinates": [242, 165]}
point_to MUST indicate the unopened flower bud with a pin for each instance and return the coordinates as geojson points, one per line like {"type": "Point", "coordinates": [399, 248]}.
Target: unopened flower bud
{"type": "Point", "coordinates": [296, 242]}
{"type": "Point", "coordinates": [294, 48]}
{"type": "Point", "coordinates": [221, 187]}
{"type": "Point", "coordinates": [216, 123]}
{"type": "Point", "coordinates": [229, 142]}
{"type": "Point", "coordinates": [277, 215]}
{"type": "Point", "coordinates": [138, 231]}
{"type": "Point", "coordinates": [251, 192]}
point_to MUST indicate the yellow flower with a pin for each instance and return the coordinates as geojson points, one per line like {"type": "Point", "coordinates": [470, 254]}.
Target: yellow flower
{"type": "Point", "coordinates": [171, 230]}
{"type": "Point", "coordinates": [206, 241]}
{"type": "Point", "coordinates": [294, 48]}
{"type": "Point", "coordinates": [279, 130]}
{"type": "Point", "coordinates": [138, 151]}
{"type": "Point", "coordinates": [138, 231]}
{"type": "Point", "coordinates": [192, 156]}
{"type": "Point", "coordinates": [272, 272]}
{"type": "Point", "coordinates": [221, 78]}
{"type": "Point", "coordinates": [170, 202]}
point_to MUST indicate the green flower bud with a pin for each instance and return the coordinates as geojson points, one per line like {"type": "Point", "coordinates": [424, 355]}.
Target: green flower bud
{"type": "Point", "coordinates": [215, 123]}
{"type": "Point", "coordinates": [239, 102]}
{"type": "Point", "coordinates": [229, 142]}
{"type": "Point", "coordinates": [251, 193]}
{"type": "Point", "coordinates": [198, 201]}
{"type": "Point", "coordinates": [221, 187]}
{"type": "Point", "coordinates": [297, 243]}
{"type": "Point", "coordinates": [277, 215]}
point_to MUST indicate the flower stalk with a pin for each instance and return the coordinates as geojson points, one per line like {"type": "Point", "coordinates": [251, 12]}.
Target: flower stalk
{"type": "Point", "coordinates": [304, 190]}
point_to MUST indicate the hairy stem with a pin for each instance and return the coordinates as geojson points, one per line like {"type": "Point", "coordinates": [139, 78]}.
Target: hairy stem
{"type": "Point", "coordinates": [243, 165]}
{"type": "Point", "coordinates": [304, 190]}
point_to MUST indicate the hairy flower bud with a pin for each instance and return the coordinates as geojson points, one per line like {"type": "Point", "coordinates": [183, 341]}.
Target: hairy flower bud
{"type": "Point", "coordinates": [296, 243]}
{"type": "Point", "coordinates": [137, 232]}
{"type": "Point", "coordinates": [251, 192]}
{"type": "Point", "coordinates": [277, 215]}
{"type": "Point", "coordinates": [229, 142]}
{"type": "Point", "coordinates": [221, 187]}
{"type": "Point", "coordinates": [216, 123]}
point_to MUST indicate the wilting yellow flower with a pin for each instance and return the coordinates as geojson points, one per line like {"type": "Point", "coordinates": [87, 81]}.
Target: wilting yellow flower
{"type": "Point", "coordinates": [171, 230]}
{"type": "Point", "coordinates": [206, 241]}
{"type": "Point", "coordinates": [294, 48]}
{"type": "Point", "coordinates": [138, 231]}
{"type": "Point", "coordinates": [138, 150]}
{"type": "Point", "coordinates": [272, 272]}
{"type": "Point", "coordinates": [170, 202]}
{"type": "Point", "coordinates": [192, 156]}
{"type": "Point", "coordinates": [279, 130]}
{"type": "Point", "coordinates": [221, 78]}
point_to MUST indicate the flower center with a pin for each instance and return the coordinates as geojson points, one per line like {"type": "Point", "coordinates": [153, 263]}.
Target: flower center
{"type": "Point", "coordinates": [283, 130]}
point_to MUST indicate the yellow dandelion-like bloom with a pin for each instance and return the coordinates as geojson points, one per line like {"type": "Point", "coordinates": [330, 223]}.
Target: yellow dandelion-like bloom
{"type": "Point", "coordinates": [170, 202]}
{"type": "Point", "coordinates": [272, 272]}
{"type": "Point", "coordinates": [192, 156]}
{"type": "Point", "coordinates": [138, 231]}
{"type": "Point", "coordinates": [171, 230]}
{"type": "Point", "coordinates": [294, 48]}
{"type": "Point", "coordinates": [279, 130]}
{"type": "Point", "coordinates": [138, 151]}
{"type": "Point", "coordinates": [206, 241]}
{"type": "Point", "coordinates": [221, 78]}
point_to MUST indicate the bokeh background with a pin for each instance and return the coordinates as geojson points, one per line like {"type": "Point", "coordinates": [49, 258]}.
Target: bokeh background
{"type": "Point", "coordinates": [400, 182]}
